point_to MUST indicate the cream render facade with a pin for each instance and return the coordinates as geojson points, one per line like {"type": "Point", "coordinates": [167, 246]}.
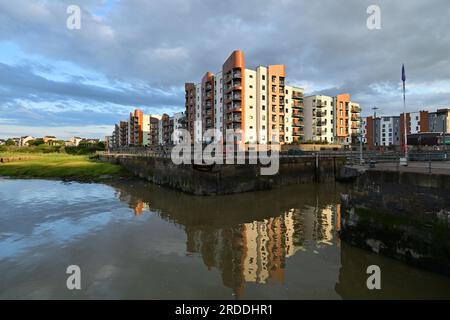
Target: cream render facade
{"type": "Point", "coordinates": [332, 119]}
{"type": "Point", "coordinates": [319, 118]}
{"type": "Point", "coordinates": [257, 103]}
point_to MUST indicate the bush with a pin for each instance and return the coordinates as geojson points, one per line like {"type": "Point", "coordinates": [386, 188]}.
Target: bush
{"type": "Point", "coordinates": [85, 149]}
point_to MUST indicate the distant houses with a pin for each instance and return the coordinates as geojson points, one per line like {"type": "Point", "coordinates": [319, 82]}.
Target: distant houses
{"type": "Point", "coordinates": [25, 140]}
{"type": "Point", "coordinates": [74, 141]}
{"type": "Point", "coordinates": [28, 140]}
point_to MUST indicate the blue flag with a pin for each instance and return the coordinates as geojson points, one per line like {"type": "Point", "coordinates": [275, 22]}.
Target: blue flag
{"type": "Point", "coordinates": [403, 73]}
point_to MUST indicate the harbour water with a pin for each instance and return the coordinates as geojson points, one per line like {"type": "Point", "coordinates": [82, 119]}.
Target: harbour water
{"type": "Point", "coordinates": [132, 239]}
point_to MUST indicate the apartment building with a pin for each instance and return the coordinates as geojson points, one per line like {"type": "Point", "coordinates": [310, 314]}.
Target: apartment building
{"type": "Point", "coordinates": [416, 122]}
{"type": "Point", "coordinates": [253, 102]}
{"type": "Point", "coordinates": [190, 105]}
{"type": "Point", "coordinates": [319, 119]}
{"type": "Point", "coordinates": [355, 122]}
{"type": "Point", "coordinates": [179, 120]}
{"type": "Point", "coordinates": [439, 121]}
{"type": "Point", "coordinates": [382, 131]}
{"type": "Point", "coordinates": [332, 119]}
{"type": "Point", "coordinates": [135, 125]}
{"type": "Point", "coordinates": [295, 114]}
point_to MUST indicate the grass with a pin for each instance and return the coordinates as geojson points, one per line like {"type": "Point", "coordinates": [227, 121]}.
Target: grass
{"type": "Point", "coordinates": [57, 165]}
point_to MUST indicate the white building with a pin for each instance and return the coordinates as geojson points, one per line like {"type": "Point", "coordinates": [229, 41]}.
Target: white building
{"type": "Point", "coordinates": [24, 141]}
{"type": "Point", "coordinates": [319, 118]}
{"type": "Point", "coordinates": [178, 124]}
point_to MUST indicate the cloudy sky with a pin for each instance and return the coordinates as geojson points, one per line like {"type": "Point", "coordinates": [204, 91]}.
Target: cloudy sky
{"type": "Point", "coordinates": [139, 53]}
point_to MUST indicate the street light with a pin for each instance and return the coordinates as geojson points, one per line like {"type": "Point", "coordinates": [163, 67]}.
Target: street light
{"type": "Point", "coordinates": [374, 131]}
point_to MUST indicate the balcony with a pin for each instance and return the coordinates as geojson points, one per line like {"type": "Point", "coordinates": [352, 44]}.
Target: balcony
{"type": "Point", "coordinates": [297, 131]}
{"type": "Point", "coordinates": [321, 123]}
{"type": "Point", "coordinates": [297, 95]}
{"type": "Point", "coordinates": [208, 86]}
{"type": "Point", "coordinates": [237, 75]}
{"type": "Point", "coordinates": [321, 114]}
{"type": "Point", "coordinates": [296, 113]}
{"type": "Point", "coordinates": [321, 132]}
{"type": "Point", "coordinates": [297, 104]}
{"type": "Point", "coordinates": [356, 109]}
{"type": "Point", "coordinates": [237, 97]}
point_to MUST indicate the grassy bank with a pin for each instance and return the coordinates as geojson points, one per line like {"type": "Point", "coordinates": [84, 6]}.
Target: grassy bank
{"type": "Point", "coordinates": [58, 165]}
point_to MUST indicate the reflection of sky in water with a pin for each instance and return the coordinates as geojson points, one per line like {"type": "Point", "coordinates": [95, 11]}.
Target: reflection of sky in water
{"type": "Point", "coordinates": [52, 218]}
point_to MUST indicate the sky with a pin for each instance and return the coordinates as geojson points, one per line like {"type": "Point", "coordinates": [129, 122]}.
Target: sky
{"type": "Point", "coordinates": [139, 53]}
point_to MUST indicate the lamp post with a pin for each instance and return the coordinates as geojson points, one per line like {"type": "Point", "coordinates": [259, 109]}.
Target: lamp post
{"type": "Point", "coordinates": [361, 160]}
{"type": "Point", "coordinates": [405, 160]}
{"type": "Point", "coordinates": [374, 122]}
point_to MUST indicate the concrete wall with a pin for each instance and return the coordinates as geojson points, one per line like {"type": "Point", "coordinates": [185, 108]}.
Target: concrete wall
{"type": "Point", "coordinates": [226, 179]}
{"type": "Point", "coordinates": [401, 215]}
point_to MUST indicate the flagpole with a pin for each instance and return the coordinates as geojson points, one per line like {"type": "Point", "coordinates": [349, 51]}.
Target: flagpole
{"type": "Point", "coordinates": [404, 114]}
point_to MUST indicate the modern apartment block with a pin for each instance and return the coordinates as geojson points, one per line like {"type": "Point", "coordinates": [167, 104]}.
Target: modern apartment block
{"type": "Point", "coordinates": [389, 130]}
{"type": "Point", "coordinates": [382, 131]}
{"type": "Point", "coordinates": [135, 125]}
{"type": "Point", "coordinates": [439, 121]}
{"type": "Point", "coordinates": [332, 119]}
{"type": "Point", "coordinates": [255, 102]}
{"type": "Point", "coordinates": [295, 116]}
{"type": "Point", "coordinates": [416, 122]}
{"type": "Point", "coordinates": [319, 118]}
{"type": "Point", "coordinates": [148, 130]}
{"type": "Point", "coordinates": [178, 125]}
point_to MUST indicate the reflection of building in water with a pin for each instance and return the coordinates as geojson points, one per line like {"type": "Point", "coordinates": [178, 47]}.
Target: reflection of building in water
{"type": "Point", "coordinates": [135, 203]}
{"type": "Point", "coordinates": [140, 207]}
{"type": "Point", "coordinates": [318, 224]}
{"type": "Point", "coordinates": [257, 251]}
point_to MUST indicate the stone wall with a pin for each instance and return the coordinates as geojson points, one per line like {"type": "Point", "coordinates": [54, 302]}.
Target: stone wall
{"type": "Point", "coordinates": [226, 179]}
{"type": "Point", "coordinates": [402, 215]}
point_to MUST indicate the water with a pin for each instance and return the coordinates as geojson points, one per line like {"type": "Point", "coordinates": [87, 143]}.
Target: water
{"type": "Point", "coordinates": [132, 239]}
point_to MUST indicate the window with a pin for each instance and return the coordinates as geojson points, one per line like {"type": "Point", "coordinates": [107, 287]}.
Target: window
{"type": "Point", "coordinates": [251, 97]}
{"type": "Point", "coordinates": [263, 97]}
{"type": "Point", "coordinates": [274, 78]}
{"type": "Point", "coordinates": [263, 107]}
{"type": "Point", "coordinates": [264, 127]}
{"type": "Point", "coordinates": [287, 91]}
{"type": "Point", "coordinates": [251, 117]}
{"type": "Point", "coordinates": [264, 118]}
{"type": "Point", "coordinates": [251, 107]}
{"type": "Point", "coordinates": [263, 77]}
{"type": "Point", "coordinates": [251, 127]}
{"type": "Point", "coordinates": [251, 76]}
{"type": "Point", "coordinates": [263, 87]}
